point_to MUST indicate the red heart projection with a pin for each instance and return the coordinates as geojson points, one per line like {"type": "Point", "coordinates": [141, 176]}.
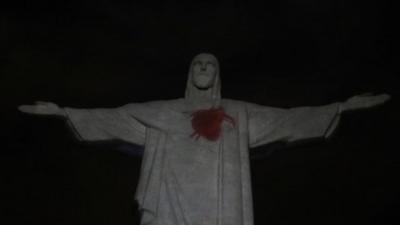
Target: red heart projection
{"type": "Point", "coordinates": [207, 123]}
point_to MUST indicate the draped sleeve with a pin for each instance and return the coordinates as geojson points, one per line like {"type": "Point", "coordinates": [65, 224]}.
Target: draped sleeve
{"type": "Point", "coordinates": [105, 124]}
{"type": "Point", "coordinates": [269, 124]}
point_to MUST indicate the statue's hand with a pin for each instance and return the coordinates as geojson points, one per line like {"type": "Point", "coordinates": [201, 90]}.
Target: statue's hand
{"type": "Point", "coordinates": [42, 108]}
{"type": "Point", "coordinates": [364, 101]}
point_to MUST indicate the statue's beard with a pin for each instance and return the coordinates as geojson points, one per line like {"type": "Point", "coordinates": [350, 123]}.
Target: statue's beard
{"type": "Point", "coordinates": [203, 83]}
{"type": "Point", "coordinates": [202, 88]}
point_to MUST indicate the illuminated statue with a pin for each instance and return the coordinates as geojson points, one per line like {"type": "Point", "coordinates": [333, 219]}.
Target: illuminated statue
{"type": "Point", "coordinates": [195, 168]}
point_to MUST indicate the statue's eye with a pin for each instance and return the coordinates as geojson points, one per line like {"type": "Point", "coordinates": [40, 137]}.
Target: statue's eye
{"type": "Point", "coordinates": [210, 64]}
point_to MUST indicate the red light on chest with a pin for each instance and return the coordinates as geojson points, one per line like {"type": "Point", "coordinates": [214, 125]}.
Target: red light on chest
{"type": "Point", "coordinates": [207, 123]}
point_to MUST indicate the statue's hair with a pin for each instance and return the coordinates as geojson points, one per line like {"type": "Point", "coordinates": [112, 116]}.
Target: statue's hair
{"type": "Point", "coordinates": [215, 90]}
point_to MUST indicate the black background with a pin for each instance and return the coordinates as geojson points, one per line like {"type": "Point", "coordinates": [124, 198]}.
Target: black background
{"type": "Point", "coordinates": [88, 54]}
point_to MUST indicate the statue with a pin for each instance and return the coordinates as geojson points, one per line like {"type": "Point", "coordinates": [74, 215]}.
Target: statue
{"type": "Point", "coordinates": [195, 168]}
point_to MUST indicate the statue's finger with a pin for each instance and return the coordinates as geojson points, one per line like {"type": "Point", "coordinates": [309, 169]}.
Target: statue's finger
{"type": "Point", "coordinates": [380, 99]}
{"type": "Point", "coordinates": [27, 108]}
{"type": "Point", "coordinates": [385, 97]}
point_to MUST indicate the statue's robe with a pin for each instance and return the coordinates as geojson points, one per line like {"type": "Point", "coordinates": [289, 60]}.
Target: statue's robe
{"type": "Point", "coordinates": [185, 181]}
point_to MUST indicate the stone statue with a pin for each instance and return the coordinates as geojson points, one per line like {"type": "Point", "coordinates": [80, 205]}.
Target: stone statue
{"type": "Point", "coordinates": [195, 168]}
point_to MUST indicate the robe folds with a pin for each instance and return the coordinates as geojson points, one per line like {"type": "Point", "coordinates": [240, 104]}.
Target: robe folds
{"type": "Point", "coordinates": [184, 181]}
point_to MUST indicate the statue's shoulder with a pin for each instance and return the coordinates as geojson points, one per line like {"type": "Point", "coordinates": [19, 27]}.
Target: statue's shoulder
{"type": "Point", "coordinates": [170, 103]}
{"type": "Point", "coordinates": [232, 103]}
{"type": "Point", "coordinates": [158, 104]}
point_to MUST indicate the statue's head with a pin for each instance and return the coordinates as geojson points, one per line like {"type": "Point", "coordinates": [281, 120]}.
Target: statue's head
{"type": "Point", "coordinates": [204, 77]}
{"type": "Point", "coordinates": [204, 70]}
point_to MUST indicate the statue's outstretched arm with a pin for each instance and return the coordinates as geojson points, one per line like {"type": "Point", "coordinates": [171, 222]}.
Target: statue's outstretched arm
{"type": "Point", "coordinates": [268, 124]}
{"type": "Point", "coordinates": [94, 124]}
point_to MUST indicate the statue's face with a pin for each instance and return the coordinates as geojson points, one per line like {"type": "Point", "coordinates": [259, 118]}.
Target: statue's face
{"type": "Point", "coordinates": [204, 70]}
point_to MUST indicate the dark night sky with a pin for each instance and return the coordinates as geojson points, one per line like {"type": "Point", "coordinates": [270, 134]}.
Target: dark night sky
{"type": "Point", "coordinates": [281, 53]}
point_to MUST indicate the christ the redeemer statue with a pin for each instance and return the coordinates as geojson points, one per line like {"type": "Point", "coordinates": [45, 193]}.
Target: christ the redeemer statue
{"type": "Point", "coordinates": [195, 168]}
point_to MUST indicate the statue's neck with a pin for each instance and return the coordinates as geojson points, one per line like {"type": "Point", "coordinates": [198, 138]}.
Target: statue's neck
{"type": "Point", "coordinates": [201, 99]}
{"type": "Point", "coordinates": [203, 94]}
